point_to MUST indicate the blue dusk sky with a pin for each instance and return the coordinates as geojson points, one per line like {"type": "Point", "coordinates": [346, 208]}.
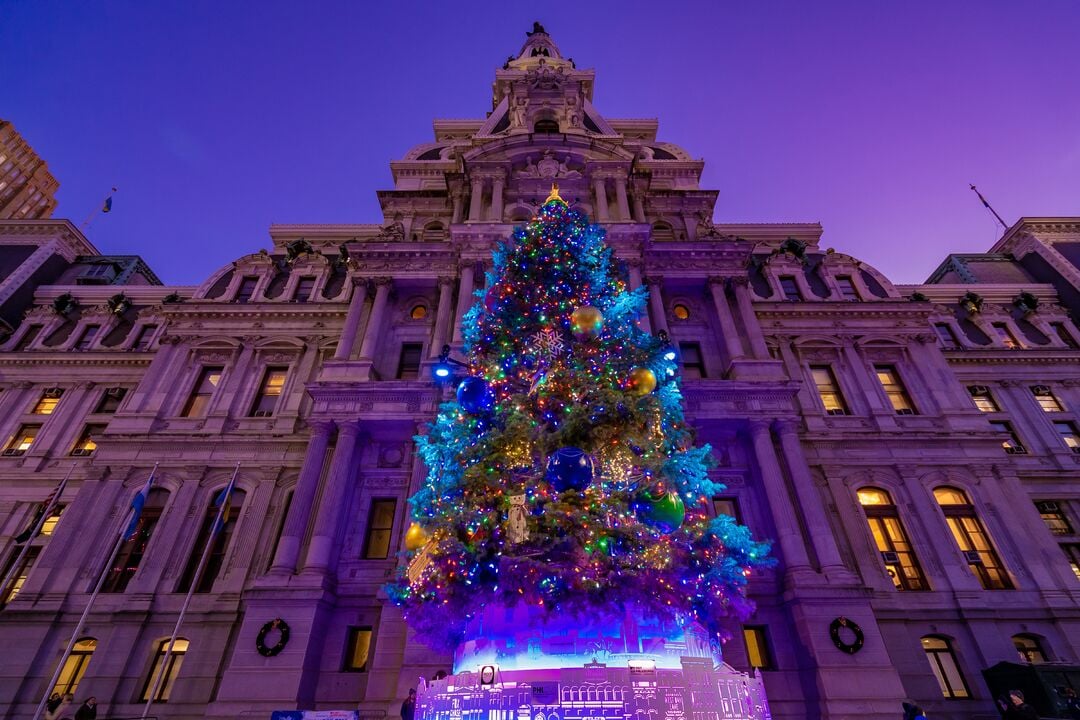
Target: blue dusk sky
{"type": "Point", "coordinates": [216, 119]}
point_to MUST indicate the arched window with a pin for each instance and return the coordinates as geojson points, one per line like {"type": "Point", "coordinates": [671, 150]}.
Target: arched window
{"type": "Point", "coordinates": [1030, 648]}
{"type": "Point", "coordinates": [222, 536]}
{"type": "Point", "coordinates": [131, 553]}
{"type": "Point", "coordinates": [680, 311]}
{"type": "Point", "coordinates": [418, 312]}
{"type": "Point", "coordinates": [943, 663]}
{"type": "Point", "coordinates": [891, 539]}
{"type": "Point", "coordinates": [546, 125]}
{"type": "Point", "coordinates": [75, 666]}
{"type": "Point", "coordinates": [972, 539]}
{"type": "Point", "coordinates": [434, 232]}
{"type": "Point", "coordinates": [520, 214]}
{"type": "Point", "coordinates": [170, 671]}
{"type": "Point", "coordinates": [663, 232]}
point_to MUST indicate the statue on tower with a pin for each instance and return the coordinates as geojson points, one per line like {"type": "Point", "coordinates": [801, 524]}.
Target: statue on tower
{"type": "Point", "coordinates": [538, 29]}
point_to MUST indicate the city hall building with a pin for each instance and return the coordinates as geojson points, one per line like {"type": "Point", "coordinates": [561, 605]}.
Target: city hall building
{"type": "Point", "coordinates": [912, 451]}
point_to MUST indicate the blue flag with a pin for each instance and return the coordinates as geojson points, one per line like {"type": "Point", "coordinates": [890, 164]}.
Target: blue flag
{"type": "Point", "coordinates": [224, 498]}
{"type": "Point", "coordinates": [137, 503]}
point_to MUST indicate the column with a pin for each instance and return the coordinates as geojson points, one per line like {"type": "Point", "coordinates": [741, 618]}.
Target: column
{"type": "Point", "coordinates": [292, 535]}
{"type": "Point", "coordinates": [809, 499]}
{"type": "Point", "coordinates": [600, 190]}
{"type": "Point", "coordinates": [458, 201]}
{"type": "Point", "coordinates": [787, 525]}
{"type": "Point", "coordinates": [352, 320]}
{"type": "Point", "coordinates": [656, 304]}
{"type": "Point", "coordinates": [635, 283]}
{"type": "Point", "coordinates": [620, 197]}
{"type": "Point", "coordinates": [639, 207]}
{"type": "Point", "coordinates": [374, 324]}
{"type": "Point", "coordinates": [335, 498]}
{"type": "Point", "coordinates": [750, 322]}
{"type": "Point", "coordinates": [477, 197]}
{"type": "Point", "coordinates": [871, 388]}
{"type": "Point", "coordinates": [732, 343]}
{"type": "Point", "coordinates": [497, 183]}
{"type": "Point", "coordinates": [442, 317]}
{"type": "Point", "coordinates": [465, 298]}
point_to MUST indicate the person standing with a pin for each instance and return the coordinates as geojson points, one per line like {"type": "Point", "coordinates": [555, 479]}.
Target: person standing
{"type": "Point", "coordinates": [408, 708]}
{"type": "Point", "coordinates": [88, 710]}
{"type": "Point", "coordinates": [1017, 709]}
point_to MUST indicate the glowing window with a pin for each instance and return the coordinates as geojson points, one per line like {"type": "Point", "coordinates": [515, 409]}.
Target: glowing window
{"type": "Point", "coordinates": [419, 312]}
{"type": "Point", "coordinates": [357, 649]}
{"type": "Point", "coordinates": [1046, 399]}
{"type": "Point", "coordinates": [939, 653]}
{"type": "Point", "coordinates": [980, 395]}
{"type": "Point", "coordinates": [1029, 648]}
{"type": "Point", "coordinates": [828, 390]}
{"type": "Point", "coordinates": [269, 392]}
{"type": "Point", "coordinates": [48, 401]}
{"type": "Point", "coordinates": [208, 381]}
{"type": "Point", "coordinates": [681, 312]}
{"type": "Point", "coordinates": [972, 539]}
{"type": "Point", "coordinates": [891, 539]}
{"type": "Point", "coordinates": [75, 666]}
{"type": "Point", "coordinates": [176, 659]}
{"type": "Point", "coordinates": [23, 439]}
{"type": "Point", "coordinates": [757, 647]}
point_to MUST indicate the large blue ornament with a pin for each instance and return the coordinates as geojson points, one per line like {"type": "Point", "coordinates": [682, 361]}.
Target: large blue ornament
{"type": "Point", "coordinates": [569, 468]}
{"type": "Point", "coordinates": [475, 395]}
{"type": "Point", "coordinates": [663, 512]}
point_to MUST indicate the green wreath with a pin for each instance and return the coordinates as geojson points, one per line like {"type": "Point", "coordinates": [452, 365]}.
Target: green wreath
{"type": "Point", "coordinates": [260, 640]}
{"type": "Point", "coordinates": [849, 647]}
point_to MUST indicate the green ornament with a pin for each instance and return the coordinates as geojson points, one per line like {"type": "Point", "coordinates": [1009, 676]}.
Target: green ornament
{"type": "Point", "coordinates": [664, 512]}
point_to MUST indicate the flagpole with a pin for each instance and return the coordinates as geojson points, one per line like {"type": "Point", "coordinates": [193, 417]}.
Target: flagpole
{"type": "Point", "coordinates": [160, 675]}
{"type": "Point", "coordinates": [988, 207]}
{"type": "Point", "coordinates": [53, 499]}
{"type": "Point", "coordinates": [95, 213]}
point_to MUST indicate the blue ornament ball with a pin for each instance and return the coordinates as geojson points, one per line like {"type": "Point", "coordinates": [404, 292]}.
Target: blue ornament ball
{"type": "Point", "coordinates": [475, 395]}
{"type": "Point", "coordinates": [569, 468]}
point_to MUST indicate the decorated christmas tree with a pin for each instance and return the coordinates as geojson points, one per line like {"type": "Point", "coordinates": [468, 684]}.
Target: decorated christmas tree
{"type": "Point", "coordinates": [563, 478]}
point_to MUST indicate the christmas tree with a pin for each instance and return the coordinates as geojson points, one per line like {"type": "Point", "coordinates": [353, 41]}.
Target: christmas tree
{"type": "Point", "coordinates": [564, 476]}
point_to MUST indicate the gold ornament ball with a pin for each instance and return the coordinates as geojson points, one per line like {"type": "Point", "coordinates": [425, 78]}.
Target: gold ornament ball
{"type": "Point", "coordinates": [586, 322]}
{"type": "Point", "coordinates": [416, 537]}
{"type": "Point", "coordinates": [642, 381]}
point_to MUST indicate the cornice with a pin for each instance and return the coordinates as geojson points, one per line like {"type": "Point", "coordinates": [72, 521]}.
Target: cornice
{"type": "Point", "coordinates": [62, 230]}
{"type": "Point", "coordinates": [89, 358]}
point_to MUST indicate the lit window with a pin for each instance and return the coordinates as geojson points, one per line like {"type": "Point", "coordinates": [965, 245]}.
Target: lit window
{"type": "Point", "coordinates": [943, 664]}
{"type": "Point", "coordinates": [269, 392]}
{"type": "Point", "coordinates": [409, 362]}
{"type": "Point", "coordinates": [18, 578]}
{"type": "Point", "coordinates": [87, 338]}
{"type": "Point", "coordinates": [146, 336]}
{"type": "Point", "coordinates": [49, 526]}
{"type": "Point", "coordinates": [110, 400]}
{"type": "Point", "coordinates": [1054, 517]}
{"type": "Point", "coordinates": [828, 390]}
{"type": "Point", "coordinates": [1029, 648]}
{"type": "Point", "coordinates": [946, 336]}
{"type": "Point", "coordinates": [23, 439]}
{"type": "Point", "coordinates": [693, 364]}
{"type": "Point", "coordinates": [681, 312]}
{"type": "Point", "coordinates": [1046, 399]}
{"type": "Point", "coordinates": [221, 540]}
{"type": "Point", "coordinates": [357, 649]}
{"type": "Point", "coordinates": [419, 312]}
{"type": "Point", "coordinates": [1010, 442]}
{"type": "Point", "coordinates": [847, 287]}
{"type": "Point", "coordinates": [1072, 552]}
{"type": "Point", "coordinates": [891, 539]}
{"type": "Point", "coordinates": [727, 506]}
{"type": "Point", "coordinates": [894, 388]}
{"type": "Point", "coordinates": [48, 401]}
{"type": "Point", "coordinates": [75, 666]}
{"type": "Point", "coordinates": [167, 674]}
{"type": "Point", "coordinates": [203, 392]}
{"type": "Point", "coordinates": [1069, 435]}
{"type": "Point", "coordinates": [757, 647]}
{"type": "Point", "coordinates": [984, 401]}
{"type": "Point", "coordinates": [304, 286]}
{"type": "Point", "coordinates": [131, 553]}
{"type": "Point", "coordinates": [971, 537]}
{"type": "Point", "coordinates": [379, 528]}
{"type": "Point", "coordinates": [88, 441]}
{"type": "Point", "coordinates": [790, 288]}
{"type": "Point", "coordinates": [246, 289]}
{"type": "Point", "coordinates": [1005, 335]}
{"type": "Point", "coordinates": [1064, 335]}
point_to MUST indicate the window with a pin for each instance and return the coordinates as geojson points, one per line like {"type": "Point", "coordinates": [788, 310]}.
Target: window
{"type": "Point", "coordinates": [693, 364]}
{"type": "Point", "coordinates": [28, 338]}
{"type": "Point", "coordinates": [891, 540]}
{"type": "Point", "coordinates": [1046, 399]}
{"type": "Point", "coordinates": [203, 392]}
{"type": "Point", "coordinates": [433, 232]}
{"type": "Point", "coordinates": [110, 400]}
{"type": "Point", "coordinates": [1029, 648]}
{"type": "Point", "coordinates": [663, 232]}
{"type": "Point", "coordinates": [18, 578]}
{"type": "Point", "coordinates": [1054, 517]}
{"type": "Point", "coordinates": [757, 647]}
{"type": "Point", "coordinates": [167, 674]}
{"type": "Point", "coordinates": [1072, 552]}
{"type": "Point", "coordinates": [49, 526]}
{"type": "Point", "coordinates": [88, 441]}
{"type": "Point", "coordinates": [419, 312]}
{"type": "Point", "coordinates": [357, 649]}
{"type": "Point", "coordinates": [409, 363]}
{"type": "Point", "coordinates": [894, 388]}
{"type": "Point", "coordinates": [727, 506]}
{"type": "Point", "coordinates": [946, 336]}
{"type": "Point", "coordinates": [87, 338]}
{"type": "Point", "coordinates": [131, 552]}
{"type": "Point", "coordinates": [847, 287]}
{"type": "Point", "coordinates": [546, 126]}
{"type": "Point", "coordinates": [984, 401]}
{"type": "Point", "coordinates": [1069, 435]}
{"type": "Point", "coordinates": [23, 439]}
{"type": "Point", "coordinates": [269, 391]}
{"type": "Point", "coordinates": [828, 390]}
{"type": "Point", "coordinates": [145, 337]}
{"type": "Point", "coordinates": [790, 288]}
{"type": "Point", "coordinates": [304, 286]}
{"type": "Point", "coordinates": [972, 539]}
{"type": "Point", "coordinates": [246, 288]}
{"type": "Point", "coordinates": [75, 666]}
{"type": "Point", "coordinates": [48, 401]}
{"type": "Point", "coordinates": [1005, 335]}
{"type": "Point", "coordinates": [380, 526]}
{"type": "Point", "coordinates": [943, 664]}
{"type": "Point", "coordinates": [217, 552]}
{"type": "Point", "coordinates": [680, 311]}
{"type": "Point", "coordinates": [1010, 441]}
{"type": "Point", "coordinates": [1064, 335]}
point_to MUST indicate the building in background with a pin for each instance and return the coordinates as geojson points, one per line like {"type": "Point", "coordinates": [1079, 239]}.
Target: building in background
{"type": "Point", "coordinates": [27, 188]}
{"type": "Point", "coordinates": [912, 450]}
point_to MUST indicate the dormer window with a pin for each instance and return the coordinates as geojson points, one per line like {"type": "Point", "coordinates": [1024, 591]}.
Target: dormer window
{"type": "Point", "coordinates": [246, 289]}
{"type": "Point", "coordinates": [304, 286]}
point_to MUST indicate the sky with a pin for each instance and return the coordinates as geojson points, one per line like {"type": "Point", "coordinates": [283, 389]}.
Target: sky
{"type": "Point", "coordinates": [217, 119]}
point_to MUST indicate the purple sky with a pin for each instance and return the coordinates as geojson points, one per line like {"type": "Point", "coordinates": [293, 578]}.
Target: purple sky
{"type": "Point", "coordinates": [216, 119]}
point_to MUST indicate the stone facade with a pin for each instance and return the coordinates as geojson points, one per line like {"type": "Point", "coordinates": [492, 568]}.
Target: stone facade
{"type": "Point", "coordinates": [835, 400]}
{"type": "Point", "coordinates": [27, 188]}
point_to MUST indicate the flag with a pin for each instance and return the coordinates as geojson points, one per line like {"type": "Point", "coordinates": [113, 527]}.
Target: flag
{"type": "Point", "coordinates": [33, 529]}
{"type": "Point", "coordinates": [107, 207]}
{"type": "Point", "coordinates": [224, 501]}
{"type": "Point", "coordinates": [137, 503]}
